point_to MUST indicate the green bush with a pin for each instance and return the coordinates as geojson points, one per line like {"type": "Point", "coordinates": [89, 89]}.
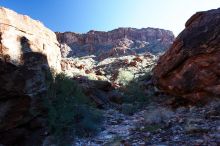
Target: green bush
{"type": "Point", "coordinates": [124, 77]}
{"type": "Point", "coordinates": [128, 109]}
{"type": "Point", "coordinates": [70, 113]}
{"type": "Point", "coordinates": [137, 94]}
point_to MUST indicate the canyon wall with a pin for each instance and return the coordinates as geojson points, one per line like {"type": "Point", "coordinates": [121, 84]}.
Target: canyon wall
{"type": "Point", "coordinates": [115, 43]}
{"type": "Point", "coordinates": [28, 51]}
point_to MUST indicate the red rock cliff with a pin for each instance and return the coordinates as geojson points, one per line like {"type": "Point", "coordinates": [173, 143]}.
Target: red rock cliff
{"type": "Point", "coordinates": [191, 67]}
{"type": "Point", "coordinates": [121, 41]}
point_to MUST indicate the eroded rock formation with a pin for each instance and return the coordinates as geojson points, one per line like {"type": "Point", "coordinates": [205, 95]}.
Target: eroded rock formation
{"type": "Point", "coordinates": [191, 67]}
{"type": "Point", "coordinates": [118, 42]}
{"type": "Point", "coordinates": [27, 51]}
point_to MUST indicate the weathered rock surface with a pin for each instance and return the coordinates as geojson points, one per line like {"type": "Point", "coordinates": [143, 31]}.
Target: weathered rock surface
{"type": "Point", "coordinates": [118, 42]}
{"type": "Point", "coordinates": [27, 51]}
{"type": "Point", "coordinates": [191, 67]}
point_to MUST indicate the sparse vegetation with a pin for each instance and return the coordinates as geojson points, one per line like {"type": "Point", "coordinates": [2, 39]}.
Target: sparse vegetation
{"type": "Point", "coordinates": [70, 113]}
{"type": "Point", "coordinates": [136, 94]}
{"type": "Point", "coordinates": [151, 127]}
{"type": "Point", "coordinates": [128, 109]}
{"type": "Point", "coordinates": [124, 77]}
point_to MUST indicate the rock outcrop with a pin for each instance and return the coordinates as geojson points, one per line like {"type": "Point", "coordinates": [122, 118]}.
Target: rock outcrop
{"type": "Point", "coordinates": [118, 42]}
{"type": "Point", "coordinates": [191, 67]}
{"type": "Point", "coordinates": [27, 52]}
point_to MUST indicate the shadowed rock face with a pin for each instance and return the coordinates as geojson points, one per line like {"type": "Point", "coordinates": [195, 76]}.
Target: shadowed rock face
{"type": "Point", "coordinates": [118, 42]}
{"type": "Point", "coordinates": [191, 67]}
{"type": "Point", "coordinates": [27, 51]}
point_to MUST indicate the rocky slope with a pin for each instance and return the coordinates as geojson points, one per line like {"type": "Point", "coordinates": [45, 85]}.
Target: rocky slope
{"type": "Point", "coordinates": [118, 42]}
{"type": "Point", "coordinates": [103, 55]}
{"type": "Point", "coordinates": [190, 68]}
{"type": "Point", "coordinates": [160, 125]}
{"type": "Point", "coordinates": [115, 57]}
{"type": "Point", "coordinates": [27, 51]}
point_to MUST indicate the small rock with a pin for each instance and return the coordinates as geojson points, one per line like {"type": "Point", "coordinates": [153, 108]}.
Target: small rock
{"type": "Point", "coordinates": [199, 141]}
{"type": "Point", "coordinates": [218, 129]}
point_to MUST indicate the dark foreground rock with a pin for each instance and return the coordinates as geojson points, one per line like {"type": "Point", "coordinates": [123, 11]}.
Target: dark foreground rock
{"type": "Point", "coordinates": [190, 68]}
{"type": "Point", "coordinates": [27, 52]}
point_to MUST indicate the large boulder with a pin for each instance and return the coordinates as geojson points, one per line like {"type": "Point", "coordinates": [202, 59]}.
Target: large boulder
{"type": "Point", "coordinates": [191, 67]}
{"type": "Point", "coordinates": [28, 50]}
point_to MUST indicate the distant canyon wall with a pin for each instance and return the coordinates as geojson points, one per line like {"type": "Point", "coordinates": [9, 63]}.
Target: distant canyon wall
{"type": "Point", "coordinates": [118, 42]}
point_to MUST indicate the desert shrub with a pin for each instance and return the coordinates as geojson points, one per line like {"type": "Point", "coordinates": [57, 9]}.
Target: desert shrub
{"type": "Point", "coordinates": [134, 99]}
{"type": "Point", "coordinates": [70, 113]}
{"type": "Point", "coordinates": [137, 94]}
{"type": "Point", "coordinates": [151, 127]}
{"type": "Point", "coordinates": [128, 109]}
{"type": "Point", "coordinates": [124, 77]}
{"type": "Point", "coordinates": [91, 76]}
{"type": "Point", "coordinates": [158, 115]}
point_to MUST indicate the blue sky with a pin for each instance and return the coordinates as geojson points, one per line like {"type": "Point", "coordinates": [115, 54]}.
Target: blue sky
{"type": "Point", "coordinates": [84, 15]}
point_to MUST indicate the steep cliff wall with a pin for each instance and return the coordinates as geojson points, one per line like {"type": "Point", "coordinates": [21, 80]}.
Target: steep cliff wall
{"type": "Point", "coordinates": [118, 42]}
{"type": "Point", "coordinates": [28, 50]}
